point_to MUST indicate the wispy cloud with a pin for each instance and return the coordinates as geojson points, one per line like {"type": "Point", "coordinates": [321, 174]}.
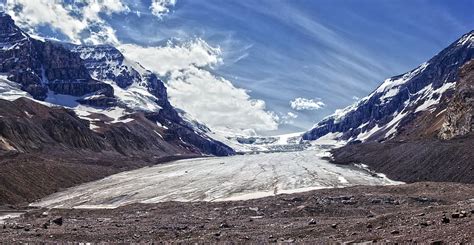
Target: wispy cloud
{"type": "Point", "coordinates": [160, 8]}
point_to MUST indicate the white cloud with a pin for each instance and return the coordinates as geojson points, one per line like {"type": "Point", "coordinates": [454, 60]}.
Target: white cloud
{"type": "Point", "coordinates": [292, 115]}
{"type": "Point", "coordinates": [160, 8]}
{"type": "Point", "coordinates": [217, 102]}
{"type": "Point", "coordinates": [287, 118]}
{"type": "Point", "coordinates": [212, 99]}
{"type": "Point", "coordinates": [174, 56]}
{"type": "Point", "coordinates": [300, 104]}
{"type": "Point", "coordinates": [79, 24]}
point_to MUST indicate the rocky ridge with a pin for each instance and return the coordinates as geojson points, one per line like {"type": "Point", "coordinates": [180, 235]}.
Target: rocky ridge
{"type": "Point", "coordinates": [400, 100]}
{"type": "Point", "coordinates": [459, 118]}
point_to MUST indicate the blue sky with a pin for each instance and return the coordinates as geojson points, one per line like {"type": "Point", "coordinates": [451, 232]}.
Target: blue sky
{"type": "Point", "coordinates": [321, 55]}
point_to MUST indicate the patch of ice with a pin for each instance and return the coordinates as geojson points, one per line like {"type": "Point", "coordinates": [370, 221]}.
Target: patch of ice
{"type": "Point", "coordinates": [364, 136]}
{"type": "Point", "coordinates": [10, 90]}
{"type": "Point", "coordinates": [6, 216]}
{"type": "Point", "coordinates": [429, 93]}
{"type": "Point", "coordinates": [466, 39]}
{"type": "Point", "coordinates": [391, 84]}
{"type": "Point", "coordinates": [393, 124]}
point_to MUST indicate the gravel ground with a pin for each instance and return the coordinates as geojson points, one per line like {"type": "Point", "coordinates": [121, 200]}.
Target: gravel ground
{"type": "Point", "coordinates": [421, 212]}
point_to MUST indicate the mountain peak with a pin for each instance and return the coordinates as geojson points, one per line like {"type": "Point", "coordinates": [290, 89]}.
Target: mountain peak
{"type": "Point", "coordinates": [7, 23]}
{"type": "Point", "coordinates": [467, 38]}
{"type": "Point", "coordinates": [4, 15]}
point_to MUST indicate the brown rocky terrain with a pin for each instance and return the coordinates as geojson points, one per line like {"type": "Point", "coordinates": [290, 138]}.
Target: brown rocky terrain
{"type": "Point", "coordinates": [44, 149]}
{"type": "Point", "coordinates": [418, 160]}
{"type": "Point", "coordinates": [423, 212]}
{"type": "Point", "coordinates": [460, 112]}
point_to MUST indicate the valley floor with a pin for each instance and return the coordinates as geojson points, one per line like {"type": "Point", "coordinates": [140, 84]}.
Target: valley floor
{"type": "Point", "coordinates": [421, 212]}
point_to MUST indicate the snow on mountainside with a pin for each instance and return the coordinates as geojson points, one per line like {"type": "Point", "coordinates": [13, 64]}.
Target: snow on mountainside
{"type": "Point", "coordinates": [399, 100]}
{"type": "Point", "coordinates": [98, 83]}
{"type": "Point", "coordinates": [256, 144]}
{"type": "Point", "coordinates": [133, 85]}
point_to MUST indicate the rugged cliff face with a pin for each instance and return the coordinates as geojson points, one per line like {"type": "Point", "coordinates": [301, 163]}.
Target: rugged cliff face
{"type": "Point", "coordinates": [141, 90]}
{"type": "Point", "coordinates": [459, 116]}
{"type": "Point", "coordinates": [41, 67]}
{"type": "Point", "coordinates": [400, 100]}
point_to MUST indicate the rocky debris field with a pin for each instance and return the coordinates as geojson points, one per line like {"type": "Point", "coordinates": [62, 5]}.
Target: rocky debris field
{"type": "Point", "coordinates": [422, 212]}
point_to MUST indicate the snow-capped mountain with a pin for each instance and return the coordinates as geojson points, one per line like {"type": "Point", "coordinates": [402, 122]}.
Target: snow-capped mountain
{"type": "Point", "coordinates": [259, 144]}
{"type": "Point", "coordinates": [41, 67]}
{"type": "Point", "coordinates": [118, 98]}
{"type": "Point", "coordinates": [402, 101]}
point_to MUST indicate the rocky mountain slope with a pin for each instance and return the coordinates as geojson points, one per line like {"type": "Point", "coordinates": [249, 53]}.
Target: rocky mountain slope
{"type": "Point", "coordinates": [459, 118]}
{"type": "Point", "coordinates": [401, 100]}
{"type": "Point", "coordinates": [435, 144]}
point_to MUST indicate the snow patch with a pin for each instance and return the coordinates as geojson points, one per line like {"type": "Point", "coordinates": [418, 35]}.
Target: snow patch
{"type": "Point", "coordinates": [10, 90]}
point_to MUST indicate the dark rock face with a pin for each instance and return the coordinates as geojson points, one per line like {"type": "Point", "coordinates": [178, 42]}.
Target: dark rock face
{"type": "Point", "coordinates": [400, 94]}
{"type": "Point", "coordinates": [459, 119]}
{"type": "Point", "coordinates": [107, 63]}
{"type": "Point", "coordinates": [39, 66]}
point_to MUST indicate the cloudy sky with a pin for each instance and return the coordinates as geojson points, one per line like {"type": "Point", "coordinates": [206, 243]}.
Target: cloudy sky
{"type": "Point", "coordinates": [270, 66]}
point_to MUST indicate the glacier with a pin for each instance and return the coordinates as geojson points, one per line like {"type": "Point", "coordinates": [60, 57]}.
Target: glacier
{"type": "Point", "coordinates": [217, 179]}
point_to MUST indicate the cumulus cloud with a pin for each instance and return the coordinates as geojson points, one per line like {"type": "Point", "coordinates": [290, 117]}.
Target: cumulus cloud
{"type": "Point", "coordinates": [300, 104]}
{"type": "Point", "coordinates": [159, 8]}
{"type": "Point", "coordinates": [193, 88]}
{"type": "Point", "coordinates": [287, 118]}
{"type": "Point", "coordinates": [292, 115]}
{"type": "Point", "coordinates": [174, 56]}
{"type": "Point", "coordinates": [81, 24]}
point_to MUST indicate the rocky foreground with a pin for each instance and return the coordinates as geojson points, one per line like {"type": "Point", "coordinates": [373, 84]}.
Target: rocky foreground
{"type": "Point", "coordinates": [420, 212]}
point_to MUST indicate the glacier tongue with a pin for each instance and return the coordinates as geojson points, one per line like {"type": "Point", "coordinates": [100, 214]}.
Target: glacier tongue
{"type": "Point", "coordinates": [216, 179]}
